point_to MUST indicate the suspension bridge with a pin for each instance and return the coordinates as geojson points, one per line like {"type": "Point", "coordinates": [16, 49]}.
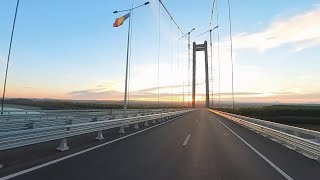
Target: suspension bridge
{"type": "Point", "coordinates": [181, 141]}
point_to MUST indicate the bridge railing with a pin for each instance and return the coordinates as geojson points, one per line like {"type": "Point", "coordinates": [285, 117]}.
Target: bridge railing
{"type": "Point", "coordinates": [18, 138]}
{"type": "Point", "coordinates": [301, 140]}
{"type": "Point", "coordinates": [23, 120]}
{"type": "Point", "coordinates": [296, 131]}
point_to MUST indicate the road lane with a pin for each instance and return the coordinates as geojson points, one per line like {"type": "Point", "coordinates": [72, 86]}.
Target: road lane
{"type": "Point", "coordinates": [216, 154]}
{"type": "Point", "coordinates": [258, 153]}
{"type": "Point", "coordinates": [211, 152]}
{"type": "Point", "coordinates": [294, 164]}
{"type": "Point", "coordinates": [133, 157]}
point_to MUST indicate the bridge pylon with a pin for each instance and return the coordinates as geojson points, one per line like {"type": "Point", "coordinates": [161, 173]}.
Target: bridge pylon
{"type": "Point", "coordinates": [200, 47]}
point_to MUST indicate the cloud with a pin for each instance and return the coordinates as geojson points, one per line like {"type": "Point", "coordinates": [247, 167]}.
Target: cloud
{"type": "Point", "coordinates": [306, 44]}
{"type": "Point", "coordinates": [95, 94]}
{"type": "Point", "coordinates": [112, 95]}
{"type": "Point", "coordinates": [152, 89]}
{"type": "Point", "coordinates": [146, 95]}
{"type": "Point", "coordinates": [104, 85]}
{"type": "Point", "coordinates": [143, 94]}
{"type": "Point", "coordinates": [301, 30]}
{"type": "Point", "coordinates": [242, 93]}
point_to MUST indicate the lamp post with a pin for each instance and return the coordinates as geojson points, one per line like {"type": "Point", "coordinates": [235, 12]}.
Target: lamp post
{"type": "Point", "coordinates": [231, 57]}
{"type": "Point", "coordinates": [125, 105]}
{"type": "Point", "coordinates": [188, 34]}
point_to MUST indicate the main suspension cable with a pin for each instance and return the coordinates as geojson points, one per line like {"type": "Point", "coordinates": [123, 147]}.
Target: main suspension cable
{"type": "Point", "coordinates": [170, 16]}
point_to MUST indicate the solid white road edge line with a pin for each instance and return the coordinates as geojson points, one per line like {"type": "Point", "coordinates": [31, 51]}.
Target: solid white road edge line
{"type": "Point", "coordinates": [80, 152]}
{"type": "Point", "coordinates": [186, 140]}
{"type": "Point", "coordinates": [257, 152]}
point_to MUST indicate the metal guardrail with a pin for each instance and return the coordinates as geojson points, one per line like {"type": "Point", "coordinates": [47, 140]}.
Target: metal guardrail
{"type": "Point", "coordinates": [23, 120]}
{"type": "Point", "coordinates": [14, 139]}
{"type": "Point", "coordinates": [296, 131]}
{"type": "Point", "coordinates": [294, 138]}
{"type": "Point", "coordinates": [110, 111]}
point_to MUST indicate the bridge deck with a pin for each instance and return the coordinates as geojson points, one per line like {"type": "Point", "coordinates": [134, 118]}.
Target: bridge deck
{"type": "Point", "coordinates": [197, 146]}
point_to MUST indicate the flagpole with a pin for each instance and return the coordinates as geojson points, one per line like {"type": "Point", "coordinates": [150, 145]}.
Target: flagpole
{"type": "Point", "coordinates": [125, 103]}
{"type": "Point", "coordinates": [125, 106]}
{"type": "Point", "coordinates": [231, 57]}
{"type": "Point", "coordinates": [8, 58]}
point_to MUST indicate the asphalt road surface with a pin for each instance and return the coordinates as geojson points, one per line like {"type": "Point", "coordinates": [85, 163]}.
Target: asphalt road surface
{"type": "Point", "coordinates": [201, 145]}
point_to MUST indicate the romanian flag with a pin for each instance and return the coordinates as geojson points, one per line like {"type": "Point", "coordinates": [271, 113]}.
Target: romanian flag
{"type": "Point", "coordinates": [119, 21]}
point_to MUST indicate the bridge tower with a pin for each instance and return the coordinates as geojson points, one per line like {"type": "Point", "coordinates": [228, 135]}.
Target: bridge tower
{"type": "Point", "coordinates": [200, 47]}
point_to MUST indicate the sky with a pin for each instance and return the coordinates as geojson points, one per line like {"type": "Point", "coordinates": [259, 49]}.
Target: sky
{"type": "Point", "coordinates": [69, 50]}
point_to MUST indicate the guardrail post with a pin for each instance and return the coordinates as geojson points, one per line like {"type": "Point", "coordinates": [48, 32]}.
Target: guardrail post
{"type": "Point", "coordinates": [136, 126]}
{"type": "Point", "coordinates": [63, 145]}
{"type": "Point", "coordinates": [146, 123]}
{"type": "Point", "coordinates": [99, 136]}
{"type": "Point", "coordinates": [153, 121]}
{"type": "Point", "coordinates": [30, 125]}
{"type": "Point", "coordinates": [69, 121]}
{"type": "Point", "coordinates": [126, 126]}
{"type": "Point", "coordinates": [318, 139]}
{"type": "Point", "coordinates": [94, 119]}
{"type": "Point", "coordinates": [121, 130]}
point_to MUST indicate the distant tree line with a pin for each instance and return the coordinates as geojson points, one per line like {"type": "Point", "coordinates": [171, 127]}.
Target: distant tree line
{"type": "Point", "coordinates": [278, 110]}
{"type": "Point", "coordinates": [60, 104]}
{"type": "Point", "coordinates": [281, 113]}
{"type": "Point", "coordinates": [52, 104]}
